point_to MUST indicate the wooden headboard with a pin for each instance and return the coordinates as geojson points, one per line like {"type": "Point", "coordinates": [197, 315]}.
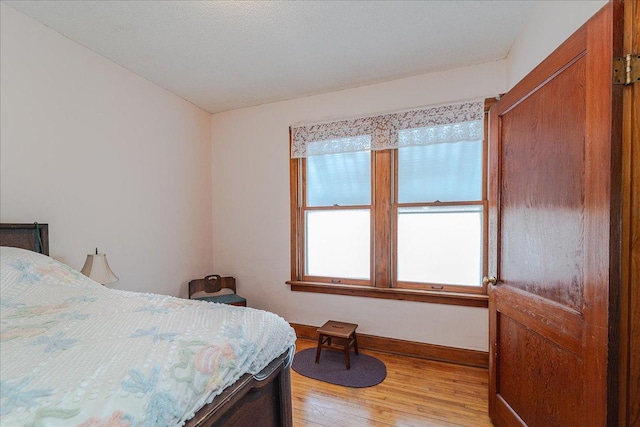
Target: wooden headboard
{"type": "Point", "coordinates": [34, 236]}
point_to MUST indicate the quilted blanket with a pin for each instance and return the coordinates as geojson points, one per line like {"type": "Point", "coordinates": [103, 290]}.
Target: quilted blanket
{"type": "Point", "coordinates": [75, 353]}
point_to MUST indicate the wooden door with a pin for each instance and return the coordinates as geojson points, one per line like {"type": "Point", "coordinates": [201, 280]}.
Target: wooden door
{"type": "Point", "coordinates": [629, 389]}
{"type": "Point", "coordinates": [554, 186]}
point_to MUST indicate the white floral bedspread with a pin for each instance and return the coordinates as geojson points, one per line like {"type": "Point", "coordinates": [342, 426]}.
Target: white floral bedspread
{"type": "Point", "coordinates": [74, 353]}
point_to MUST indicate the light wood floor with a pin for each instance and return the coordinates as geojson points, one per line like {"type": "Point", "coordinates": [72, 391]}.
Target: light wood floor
{"type": "Point", "coordinates": [416, 392]}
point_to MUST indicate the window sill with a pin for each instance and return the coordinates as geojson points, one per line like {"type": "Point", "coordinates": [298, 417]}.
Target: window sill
{"type": "Point", "coordinates": [434, 297]}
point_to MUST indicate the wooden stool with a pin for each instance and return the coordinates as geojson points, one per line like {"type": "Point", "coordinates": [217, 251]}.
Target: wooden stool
{"type": "Point", "coordinates": [343, 331]}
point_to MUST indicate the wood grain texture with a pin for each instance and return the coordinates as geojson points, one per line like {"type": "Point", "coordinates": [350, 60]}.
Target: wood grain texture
{"type": "Point", "coordinates": [468, 300]}
{"type": "Point", "coordinates": [557, 323]}
{"type": "Point", "coordinates": [416, 392]}
{"type": "Point", "coordinates": [602, 223]}
{"type": "Point", "coordinates": [294, 190]}
{"type": "Point", "coordinates": [25, 236]}
{"type": "Point", "coordinates": [488, 103]}
{"type": "Point", "coordinates": [407, 348]}
{"type": "Point", "coordinates": [629, 378]}
{"type": "Point", "coordinates": [552, 400]}
{"type": "Point", "coordinates": [381, 231]}
{"type": "Point", "coordinates": [555, 183]}
{"type": "Point", "coordinates": [239, 403]}
{"type": "Point", "coordinates": [542, 192]}
{"type": "Point", "coordinates": [560, 59]}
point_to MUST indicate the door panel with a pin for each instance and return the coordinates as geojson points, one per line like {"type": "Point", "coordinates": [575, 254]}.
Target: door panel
{"type": "Point", "coordinates": [542, 190]}
{"type": "Point", "coordinates": [553, 402]}
{"type": "Point", "coordinates": [551, 222]}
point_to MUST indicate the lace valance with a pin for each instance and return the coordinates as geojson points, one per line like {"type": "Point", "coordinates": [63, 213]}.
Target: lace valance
{"type": "Point", "coordinates": [462, 121]}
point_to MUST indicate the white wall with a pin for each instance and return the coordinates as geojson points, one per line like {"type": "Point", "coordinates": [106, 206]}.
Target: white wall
{"type": "Point", "coordinates": [105, 157]}
{"type": "Point", "coordinates": [72, 122]}
{"type": "Point", "coordinates": [548, 24]}
{"type": "Point", "coordinates": [251, 230]}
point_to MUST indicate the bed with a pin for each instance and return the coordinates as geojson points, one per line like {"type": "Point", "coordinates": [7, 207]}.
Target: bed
{"type": "Point", "coordinates": [74, 352]}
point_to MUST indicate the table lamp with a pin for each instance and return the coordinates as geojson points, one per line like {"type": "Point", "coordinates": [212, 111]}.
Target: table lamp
{"type": "Point", "coordinates": [97, 268]}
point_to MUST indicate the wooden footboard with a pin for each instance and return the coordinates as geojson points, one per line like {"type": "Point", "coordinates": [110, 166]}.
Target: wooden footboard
{"type": "Point", "coordinates": [252, 402]}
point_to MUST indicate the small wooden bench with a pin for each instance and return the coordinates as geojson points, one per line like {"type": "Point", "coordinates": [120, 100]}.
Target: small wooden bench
{"type": "Point", "coordinates": [345, 332]}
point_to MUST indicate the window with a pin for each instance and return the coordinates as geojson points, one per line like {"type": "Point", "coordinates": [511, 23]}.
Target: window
{"type": "Point", "coordinates": [392, 205]}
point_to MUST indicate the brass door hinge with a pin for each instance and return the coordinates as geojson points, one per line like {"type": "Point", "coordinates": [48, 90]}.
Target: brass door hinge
{"type": "Point", "coordinates": [626, 69]}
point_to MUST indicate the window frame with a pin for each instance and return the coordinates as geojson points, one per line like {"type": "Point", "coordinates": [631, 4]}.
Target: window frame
{"type": "Point", "coordinates": [384, 211]}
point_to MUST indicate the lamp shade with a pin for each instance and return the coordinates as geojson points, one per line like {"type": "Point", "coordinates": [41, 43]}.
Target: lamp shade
{"type": "Point", "coordinates": [97, 268]}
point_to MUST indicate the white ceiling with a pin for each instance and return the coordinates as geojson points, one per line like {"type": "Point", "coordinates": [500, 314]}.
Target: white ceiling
{"type": "Point", "coordinates": [223, 55]}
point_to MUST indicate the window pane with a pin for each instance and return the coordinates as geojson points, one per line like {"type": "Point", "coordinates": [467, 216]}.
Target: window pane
{"type": "Point", "coordinates": [342, 179]}
{"type": "Point", "coordinates": [338, 243]}
{"type": "Point", "coordinates": [446, 172]}
{"type": "Point", "coordinates": [441, 245]}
